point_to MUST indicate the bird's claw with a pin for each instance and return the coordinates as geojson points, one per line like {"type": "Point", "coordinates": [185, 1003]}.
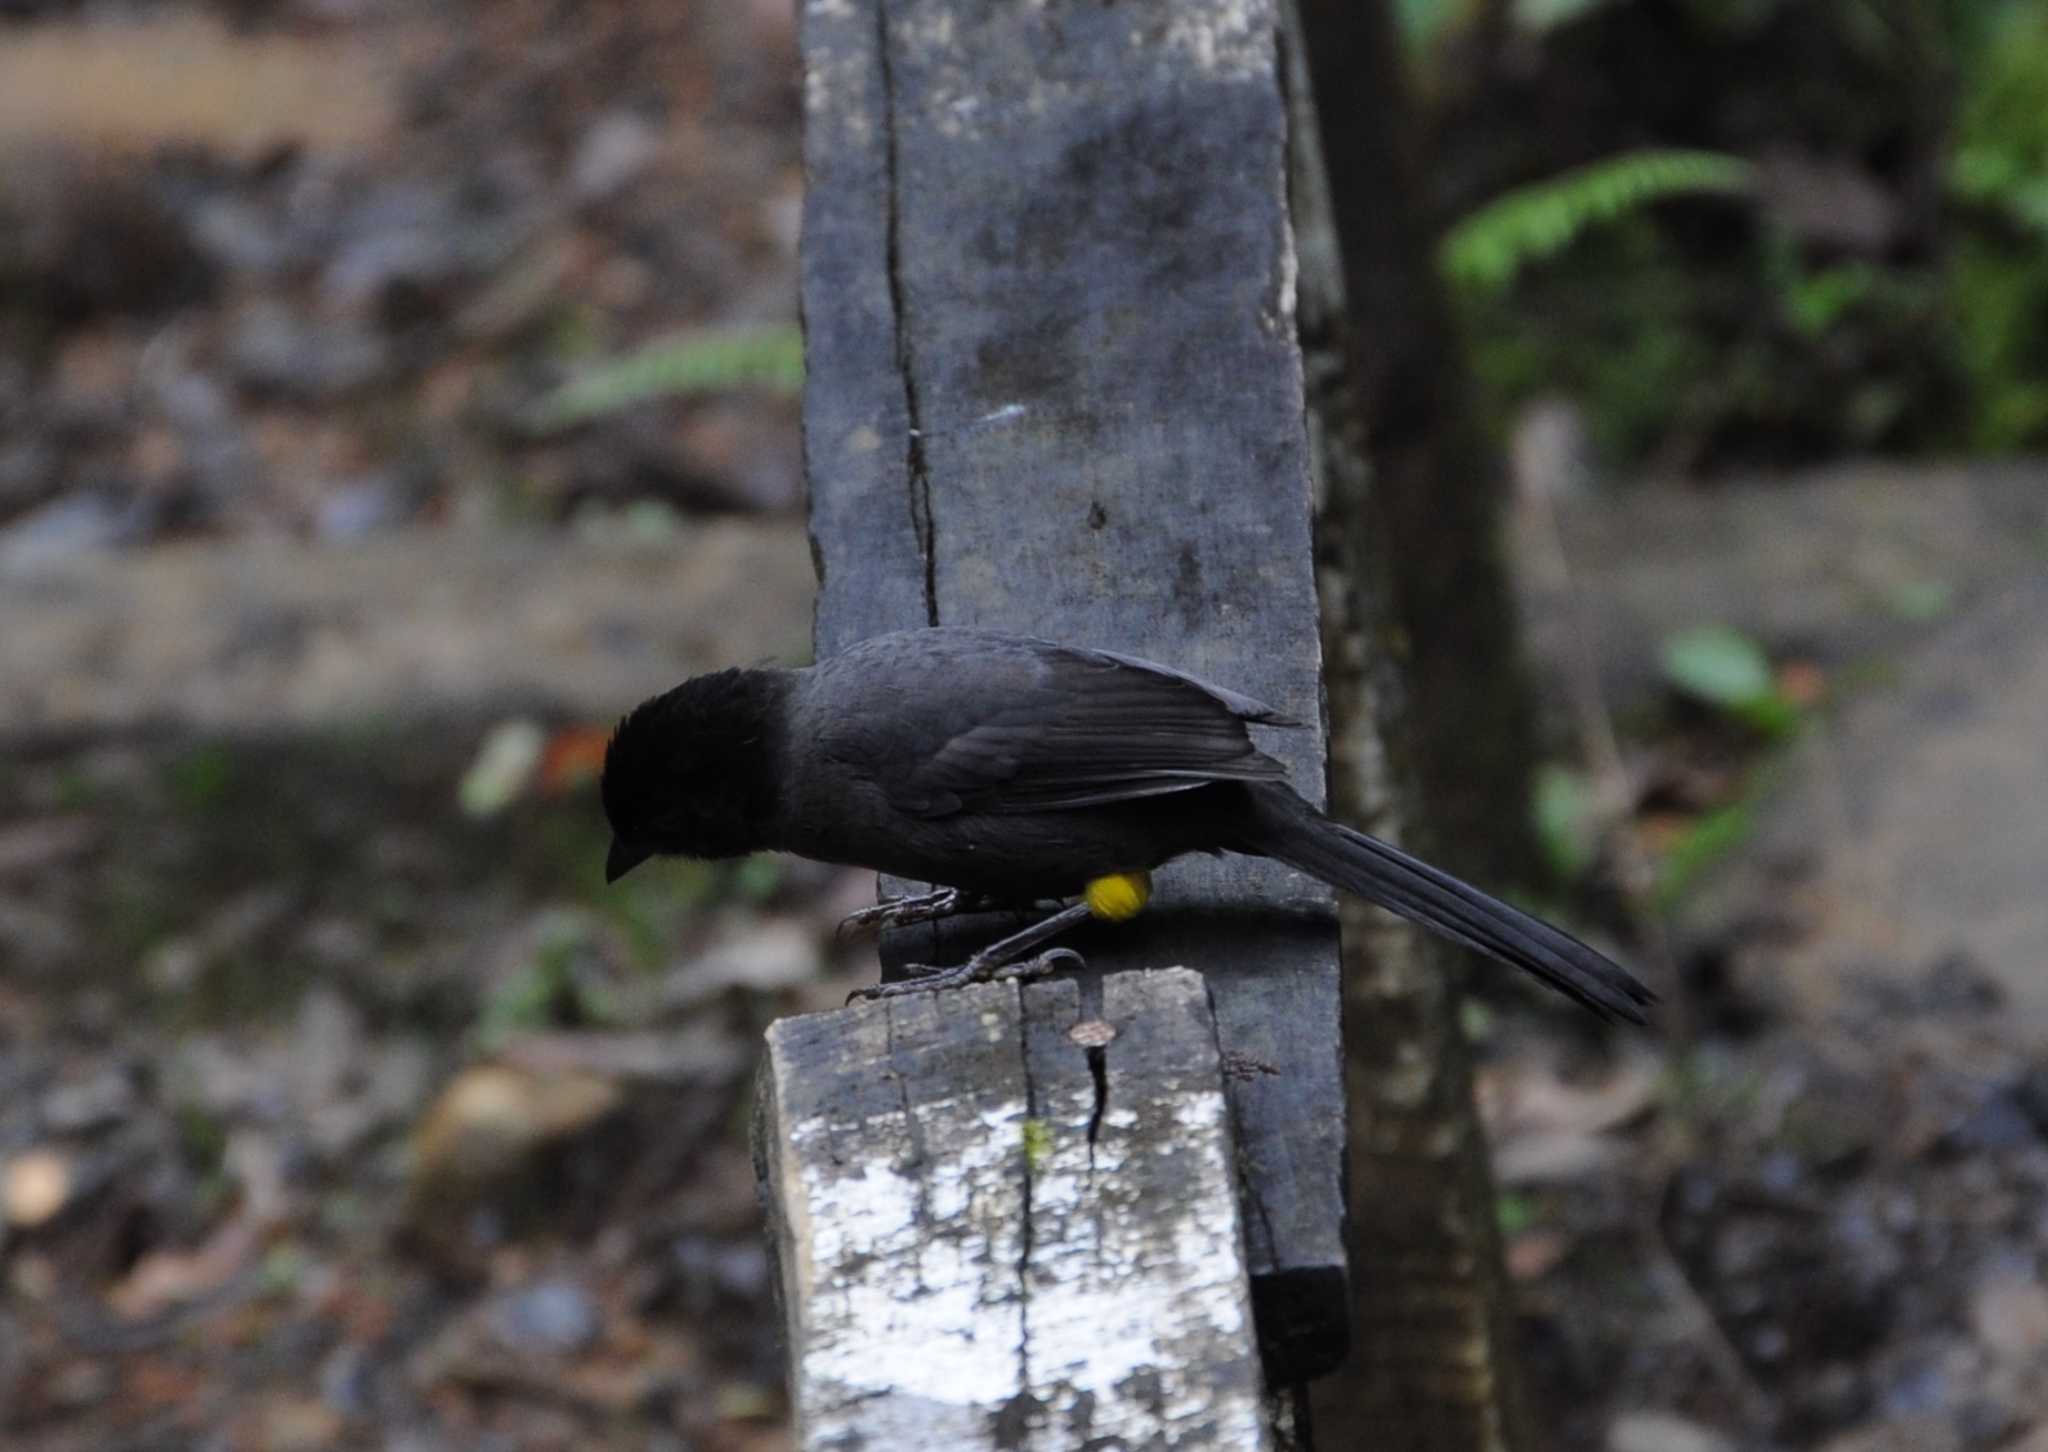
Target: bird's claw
{"type": "Point", "coordinates": [900, 912]}
{"type": "Point", "coordinates": [926, 907]}
{"type": "Point", "coordinates": [935, 978]}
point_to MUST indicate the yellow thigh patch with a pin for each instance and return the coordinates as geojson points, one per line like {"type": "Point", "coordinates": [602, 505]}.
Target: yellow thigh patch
{"type": "Point", "coordinates": [1119, 896]}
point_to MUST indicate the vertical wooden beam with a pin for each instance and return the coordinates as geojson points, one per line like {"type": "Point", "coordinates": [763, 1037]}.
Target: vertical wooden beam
{"type": "Point", "coordinates": [1053, 386]}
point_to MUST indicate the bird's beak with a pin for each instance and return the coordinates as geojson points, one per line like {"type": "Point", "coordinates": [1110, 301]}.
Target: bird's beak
{"type": "Point", "coordinates": [622, 859]}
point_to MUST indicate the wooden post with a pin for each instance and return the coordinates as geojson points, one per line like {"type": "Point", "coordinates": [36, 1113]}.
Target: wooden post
{"type": "Point", "coordinates": [1053, 386]}
{"type": "Point", "coordinates": [1003, 1224]}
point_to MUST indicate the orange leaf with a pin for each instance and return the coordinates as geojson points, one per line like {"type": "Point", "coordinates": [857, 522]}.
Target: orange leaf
{"type": "Point", "coordinates": [573, 756]}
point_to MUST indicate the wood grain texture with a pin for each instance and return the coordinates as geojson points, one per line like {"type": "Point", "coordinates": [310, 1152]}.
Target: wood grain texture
{"type": "Point", "coordinates": [867, 545]}
{"type": "Point", "coordinates": [1053, 387]}
{"type": "Point", "coordinates": [992, 1236]}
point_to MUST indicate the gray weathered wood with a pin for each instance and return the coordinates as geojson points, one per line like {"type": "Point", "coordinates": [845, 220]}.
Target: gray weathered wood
{"type": "Point", "coordinates": [864, 536]}
{"type": "Point", "coordinates": [1054, 387]}
{"type": "Point", "coordinates": [981, 1248]}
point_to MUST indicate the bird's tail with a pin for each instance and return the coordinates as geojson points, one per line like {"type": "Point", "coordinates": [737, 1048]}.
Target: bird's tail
{"type": "Point", "coordinates": [1288, 829]}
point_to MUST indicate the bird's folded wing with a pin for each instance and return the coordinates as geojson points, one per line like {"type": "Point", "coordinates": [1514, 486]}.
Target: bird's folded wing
{"type": "Point", "coordinates": [1080, 728]}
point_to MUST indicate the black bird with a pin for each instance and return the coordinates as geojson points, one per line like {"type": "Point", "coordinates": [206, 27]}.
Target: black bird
{"type": "Point", "coordinates": [1011, 770]}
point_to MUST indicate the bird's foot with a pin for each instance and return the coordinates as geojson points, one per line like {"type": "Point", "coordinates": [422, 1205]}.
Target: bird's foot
{"type": "Point", "coordinates": [901, 912]}
{"type": "Point", "coordinates": [927, 907]}
{"type": "Point", "coordinates": [1008, 958]}
{"type": "Point", "coordinates": [984, 967]}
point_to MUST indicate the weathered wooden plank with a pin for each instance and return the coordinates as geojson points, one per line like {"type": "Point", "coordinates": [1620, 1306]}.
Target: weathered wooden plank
{"type": "Point", "coordinates": [1091, 428]}
{"type": "Point", "coordinates": [992, 1235]}
{"type": "Point", "coordinates": [868, 547]}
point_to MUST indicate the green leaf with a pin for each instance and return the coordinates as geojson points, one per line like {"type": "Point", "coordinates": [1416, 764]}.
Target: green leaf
{"type": "Point", "coordinates": [757, 878]}
{"type": "Point", "coordinates": [1567, 826]}
{"type": "Point", "coordinates": [678, 366]}
{"type": "Point", "coordinates": [1815, 303]}
{"type": "Point", "coordinates": [200, 780]}
{"type": "Point", "coordinates": [503, 769]}
{"type": "Point", "coordinates": [1709, 840]}
{"type": "Point", "coordinates": [1718, 665]}
{"type": "Point", "coordinates": [1423, 22]}
{"type": "Point", "coordinates": [1770, 715]}
{"type": "Point", "coordinates": [553, 988]}
{"type": "Point", "coordinates": [1541, 15]}
{"type": "Point", "coordinates": [1515, 1212]}
{"type": "Point", "coordinates": [1485, 250]}
{"type": "Point", "coordinates": [1921, 600]}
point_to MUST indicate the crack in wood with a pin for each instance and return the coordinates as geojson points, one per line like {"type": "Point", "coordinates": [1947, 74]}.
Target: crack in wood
{"type": "Point", "coordinates": [1098, 1069]}
{"type": "Point", "coordinates": [915, 470]}
{"type": "Point", "coordinates": [1024, 1235]}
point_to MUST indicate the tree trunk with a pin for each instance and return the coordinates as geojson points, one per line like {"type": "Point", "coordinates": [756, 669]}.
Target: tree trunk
{"type": "Point", "coordinates": [1436, 488]}
{"type": "Point", "coordinates": [1419, 648]}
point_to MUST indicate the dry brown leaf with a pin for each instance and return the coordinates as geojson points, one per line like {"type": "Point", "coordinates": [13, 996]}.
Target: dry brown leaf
{"type": "Point", "coordinates": [35, 1185]}
{"type": "Point", "coordinates": [165, 1279]}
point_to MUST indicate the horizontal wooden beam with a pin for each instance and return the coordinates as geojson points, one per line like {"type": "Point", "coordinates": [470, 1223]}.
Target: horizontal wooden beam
{"type": "Point", "coordinates": [1001, 1222]}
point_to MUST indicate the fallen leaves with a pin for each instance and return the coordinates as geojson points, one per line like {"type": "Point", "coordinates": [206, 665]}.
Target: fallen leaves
{"type": "Point", "coordinates": [34, 1186]}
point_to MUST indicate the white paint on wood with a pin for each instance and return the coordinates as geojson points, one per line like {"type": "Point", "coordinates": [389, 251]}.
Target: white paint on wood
{"type": "Point", "coordinates": [1133, 1293]}
{"type": "Point", "coordinates": [918, 1288]}
{"type": "Point", "coordinates": [968, 1270]}
{"type": "Point", "coordinates": [837, 73]}
{"type": "Point", "coordinates": [1231, 39]}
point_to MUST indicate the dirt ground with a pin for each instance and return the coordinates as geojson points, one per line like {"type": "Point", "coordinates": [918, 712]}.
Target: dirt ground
{"type": "Point", "coordinates": [341, 1105]}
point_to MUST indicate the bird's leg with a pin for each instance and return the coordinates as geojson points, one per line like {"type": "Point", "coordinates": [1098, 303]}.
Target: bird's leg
{"type": "Point", "coordinates": [925, 907]}
{"type": "Point", "coordinates": [1004, 958]}
{"type": "Point", "coordinates": [901, 912]}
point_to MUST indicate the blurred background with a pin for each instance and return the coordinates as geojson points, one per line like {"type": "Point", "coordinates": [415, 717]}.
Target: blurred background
{"type": "Point", "coordinates": [392, 394]}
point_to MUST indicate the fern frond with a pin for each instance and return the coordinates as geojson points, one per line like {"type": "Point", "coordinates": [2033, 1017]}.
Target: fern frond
{"type": "Point", "coordinates": [1528, 224]}
{"type": "Point", "coordinates": [683, 364]}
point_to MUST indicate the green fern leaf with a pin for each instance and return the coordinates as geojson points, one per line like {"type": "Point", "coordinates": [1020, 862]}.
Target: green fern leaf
{"type": "Point", "coordinates": [684, 364]}
{"type": "Point", "coordinates": [1528, 224]}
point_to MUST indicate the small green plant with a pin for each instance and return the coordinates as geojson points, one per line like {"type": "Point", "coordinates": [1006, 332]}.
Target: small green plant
{"type": "Point", "coordinates": [678, 366]}
{"type": "Point", "coordinates": [1709, 840]}
{"type": "Point", "coordinates": [74, 789]}
{"type": "Point", "coordinates": [201, 778]}
{"type": "Point", "coordinates": [283, 1269]}
{"type": "Point", "coordinates": [202, 1137]}
{"type": "Point", "coordinates": [1515, 1212]}
{"type": "Point", "coordinates": [1920, 601]}
{"type": "Point", "coordinates": [1998, 270]}
{"type": "Point", "coordinates": [1723, 668]}
{"type": "Point", "coordinates": [1567, 820]}
{"type": "Point", "coordinates": [1037, 1143]}
{"type": "Point", "coordinates": [1817, 300]}
{"type": "Point", "coordinates": [2000, 156]}
{"type": "Point", "coordinates": [1425, 23]}
{"type": "Point", "coordinates": [556, 988]}
{"type": "Point", "coordinates": [1703, 1092]}
{"type": "Point", "coordinates": [757, 878]}
{"type": "Point", "coordinates": [1488, 248]}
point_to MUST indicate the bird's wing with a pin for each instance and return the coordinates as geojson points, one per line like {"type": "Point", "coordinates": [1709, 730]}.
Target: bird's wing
{"type": "Point", "coordinates": [1028, 726]}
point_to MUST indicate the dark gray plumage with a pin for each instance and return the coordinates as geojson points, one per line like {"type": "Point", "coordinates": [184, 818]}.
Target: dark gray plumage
{"type": "Point", "coordinates": [1020, 769]}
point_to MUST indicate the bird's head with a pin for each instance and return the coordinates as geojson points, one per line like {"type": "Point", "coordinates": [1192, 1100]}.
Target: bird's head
{"type": "Point", "coordinates": [690, 773]}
